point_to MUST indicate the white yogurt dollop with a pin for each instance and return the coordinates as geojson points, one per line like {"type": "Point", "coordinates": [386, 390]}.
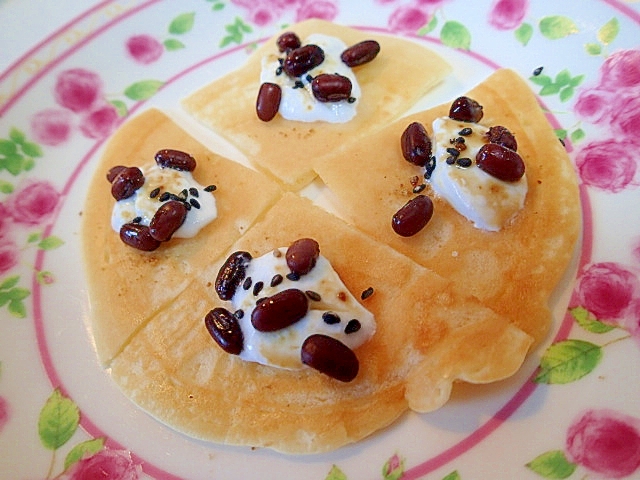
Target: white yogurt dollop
{"type": "Point", "coordinates": [282, 348]}
{"type": "Point", "coordinates": [299, 103]}
{"type": "Point", "coordinates": [140, 205]}
{"type": "Point", "coordinates": [486, 201]}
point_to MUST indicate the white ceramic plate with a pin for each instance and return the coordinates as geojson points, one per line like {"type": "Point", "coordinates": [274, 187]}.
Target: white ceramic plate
{"type": "Point", "coordinates": [571, 412]}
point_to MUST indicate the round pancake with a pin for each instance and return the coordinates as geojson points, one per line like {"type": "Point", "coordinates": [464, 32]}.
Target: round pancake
{"type": "Point", "coordinates": [452, 303]}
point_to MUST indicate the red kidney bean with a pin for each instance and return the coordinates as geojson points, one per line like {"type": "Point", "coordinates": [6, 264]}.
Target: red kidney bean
{"type": "Point", "coordinates": [167, 219]}
{"type": "Point", "coordinates": [223, 326]}
{"type": "Point", "coordinates": [331, 87]}
{"type": "Point", "coordinates": [268, 101]}
{"type": "Point", "coordinates": [301, 255]}
{"type": "Point", "coordinates": [330, 356]}
{"type": "Point", "coordinates": [415, 144]}
{"type": "Point", "coordinates": [126, 182]}
{"type": "Point", "coordinates": [413, 216]}
{"type": "Point", "coordinates": [231, 274]}
{"type": "Point", "coordinates": [500, 162]}
{"type": "Point", "coordinates": [137, 236]}
{"type": "Point", "coordinates": [113, 172]}
{"type": "Point", "coordinates": [502, 136]}
{"type": "Point", "coordinates": [280, 310]}
{"type": "Point", "coordinates": [465, 109]}
{"type": "Point", "coordinates": [360, 53]}
{"type": "Point", "coordinates": [288, 41]}
{"type": "Point", "coordinates": [300, 60]}
{"type": "Point", "coordinates": [176, 159]}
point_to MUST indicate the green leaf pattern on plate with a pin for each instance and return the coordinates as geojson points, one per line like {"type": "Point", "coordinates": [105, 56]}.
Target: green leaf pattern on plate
{"type": "Point", "coordinates": [555, 27]}
{"type": "Point", "coordinates": [59, 420]}
{"type": "Point", "coordinates": [552, 465]}
{"type": "Point", "coordinates": [455, 35]}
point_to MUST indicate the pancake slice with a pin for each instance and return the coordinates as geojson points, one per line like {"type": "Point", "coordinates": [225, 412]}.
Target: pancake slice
{"type": "Point", "coordinates": [401, 74]}
{"type": "Point", "coordinates": [127, 286]}
{"type": "Point", "coordinates": [428, 336]}
{"type": "Point", "coordinates": [513, 271]}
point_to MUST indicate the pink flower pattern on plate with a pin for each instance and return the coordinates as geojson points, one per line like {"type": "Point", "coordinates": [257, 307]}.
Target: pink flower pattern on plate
{"type": "Point", "coordinates": [613, 103]}
{"type": "Point", "coordinates": [78, 91]}
{"type": "Point", "coordinates": [607, 290]}
{"type": "Point", "coordinates": [106, 464]}
{"type": "Point", "coordinates": [408, 19]}
{"type": "Point", "coordinates": [34, 203]}
{"type": "Point", "coordinates": [100, 122]}
{"type": "Point", "coordinates": [607, 164]}
{"type": "Point", "coordinates": [266, 12]}
{"type": "Point", "coordinates": [9, 255]}
{"type": "Point", "coordinates": [144, 49]}
{"type": "Point", "coordinates": [411, 17]}
{"type": "Point", "coordinates": [606, 442]}
{"type": "Point", "coordinates": [4, 413]}
{"type": "Point", "coordinates": [507, 14]}
{"type": "Point", "coordinates": [52, 126]}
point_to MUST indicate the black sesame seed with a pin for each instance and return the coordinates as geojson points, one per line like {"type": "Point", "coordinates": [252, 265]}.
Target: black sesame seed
{"type": "Point", "coordinates": [537, 71]}
{"type": "Point", "coordinates": [194, 203]}
{"type": "Point", "coordinates": [294, 277]}
{"type": "Point", "coordinates": [164, 197]}
{"type": "Point", "coordinates": [247, 283]}
{"type": "Point", "coordinates": [136, 220]}
{"type": "Point", "coordinates": [187, 205]}
{"type": "Point", "coordinates": [210, 188]}
{"type": "Point", "coordinates": [276, 280]}
{"type": "Point", "coordinates": [459, 140]}
{"type": "Point", "coordinates": [429, 167]}
{"type": "Point", "coordinates": [298, 84]}
{"type": "Point", "coordinates": [351, 100]}
{"type": "Point", "coordinates": [173, 196]}
{"type": "Point", "coordinates": [464, 162]}
{"type": "Point", "coordinates": [465, 131]}
{"type": "Point", "coordinates": [193, 191]}
{"type": "Point", "coordinates": [419, 188]}
{"type": "Point", "coordinates": [279, 71]}
{"type": "Point", "coordinates": [184, 194]}
{"type": "Point", "coordinates": [451, 160]}
{"type": "Point", "coordinates": [281, 61]}
{"type": "Point", "coordinates": [367, 293]}
{"type": "Point", "coordinates": [353, 326]}
{"type": "Point", "coordinates": [309, 78]}
{"type": "Point", "coordinates": [453, 152]}
{"type": "Point", "coordinates": [238, 313]}
{"type": "Point", "coordinates": [330, 318]}
{"type": "Point", "coordinates": [154, 193]}
{"type": "Point", "coordinates": [315, 296]}
{"type": "Point", "coordinates": [257, 288]}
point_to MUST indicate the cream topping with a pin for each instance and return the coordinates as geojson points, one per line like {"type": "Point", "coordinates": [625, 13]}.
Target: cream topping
{"type": "Point", "coordinates": [299, 103]}
{"type": "Point", "coordinates": [141, 206]}
{"type": "Point", "coordinates": [282, 348]}
{"type": "Point", "coordinates": [486, 201]}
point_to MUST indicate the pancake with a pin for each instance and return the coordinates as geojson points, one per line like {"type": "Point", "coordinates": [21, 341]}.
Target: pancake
{"type": "Point", "coordinates": [402, 73]}
{"type": "Point", "coordinates": [513, 271]}
{"type": "Point", "coordinates": [127, 286]}
{"type": "Point", "coordinates": [428, 336]}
